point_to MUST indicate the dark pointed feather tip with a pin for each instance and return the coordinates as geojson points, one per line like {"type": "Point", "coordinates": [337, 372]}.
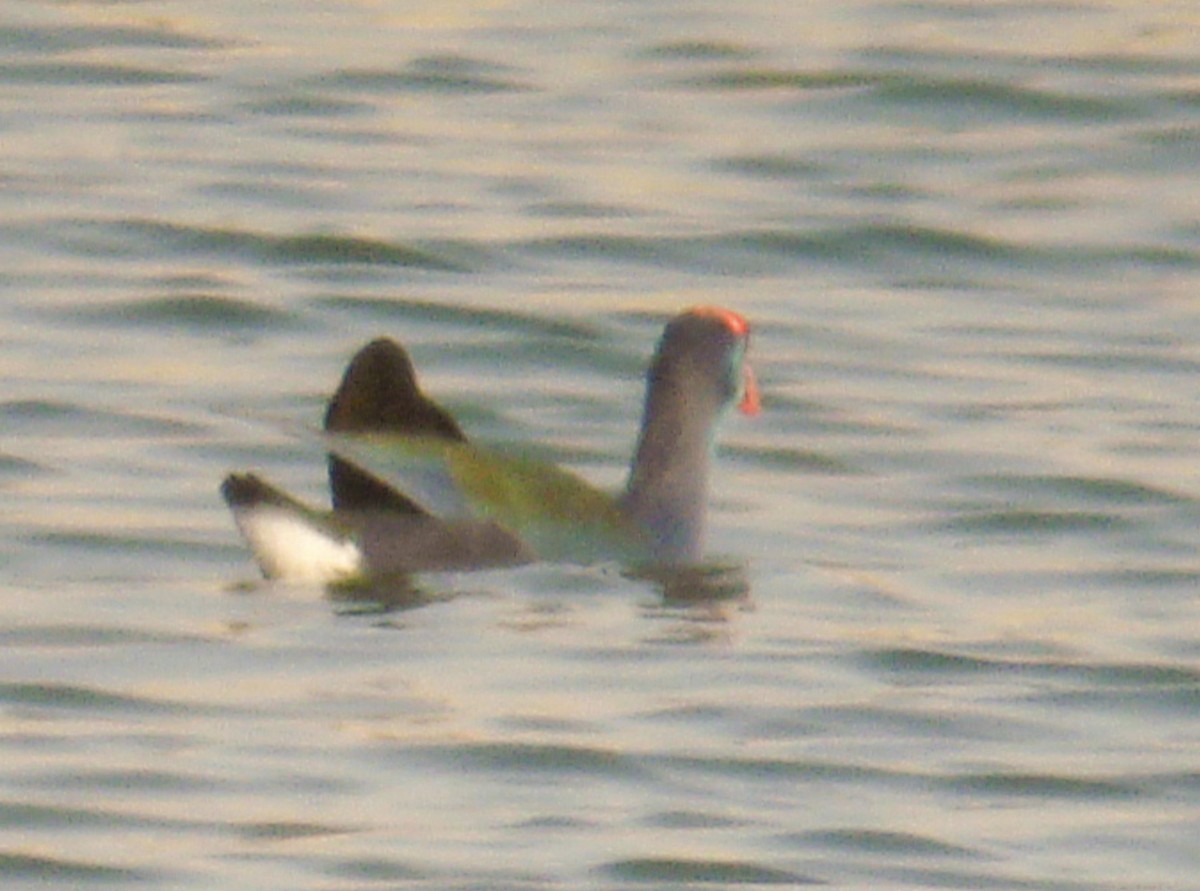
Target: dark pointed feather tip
{"type": "Point", "coordinates": [249, 490]}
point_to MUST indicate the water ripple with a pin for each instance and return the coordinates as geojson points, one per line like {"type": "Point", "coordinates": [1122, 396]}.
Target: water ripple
{"type": "Point", "coordinates": [521, 758]}
{"type": "Point", "coordinates": [99, 781]}
{"type": "Point", "coordinates": [1025, 785]}
{"type": "Point", "coordinates": [75, 698]}
{"type": "Point", "coordinates": [136, 236]}
{"type": "Point", "coordinates": [456, 75]}
{"type": "Point", "coordinates": [63, 38]}
{"type": "Point", "coordinates": [305, 105]}
{"type": "Point", "coordinates": [746, 78]}
{"type": "Point", "coordinates": [995, 100]}
{"type": "Point", "coordinates": [1078, 489]}
{"type": "Point", "coordinates": [88, 636]}
{"type": "Point", "coordinates": [45, 416]}
{"type": "Point", "coordinates": [931, 660]}
{"type": "Point", "coordinates": [1028, 521]}
{"type": "Point", "coordinates": [286, 830]}
{"type": "Point", "coordinates": [407, 311]}
{"type": "Point", "coordinates": [699, 51]}
{"type": "Point", "coordinates": [883, 242]}
{"type": "Point", "coordinates": [197, 312]}
{"type": "Point", "coordinates": [874, 841]}
{"type": "Point", "coordinates": [375, 869]}
{"type": "Point", "coordinates": [93, 74]}
{"type": "Point", "coordinates": [15, 466]}
{"type": "Point", "coordinates": [990, 98]}
{"type": "Point", "coordinates": [25, 867]}
{"type": "Point", "coordinates": [702, 872]}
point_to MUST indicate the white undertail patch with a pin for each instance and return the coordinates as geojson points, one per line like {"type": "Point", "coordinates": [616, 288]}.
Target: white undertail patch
{"type": "Point", "coordinates": [287, 546]}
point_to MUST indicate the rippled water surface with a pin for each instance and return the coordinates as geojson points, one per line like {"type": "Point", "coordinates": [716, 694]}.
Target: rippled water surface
{"type": "Point", "coordinates": [957, 644]}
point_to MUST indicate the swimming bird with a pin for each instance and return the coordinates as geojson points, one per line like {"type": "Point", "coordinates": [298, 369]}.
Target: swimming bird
{"type": "Point", "coordinates": [412, 494]}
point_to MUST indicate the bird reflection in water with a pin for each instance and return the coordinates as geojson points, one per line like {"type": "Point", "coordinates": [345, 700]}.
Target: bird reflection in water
{"type": "Point", "coordinates": [703, 594]}
{"type": "Point", "coordinates": [698, 603]}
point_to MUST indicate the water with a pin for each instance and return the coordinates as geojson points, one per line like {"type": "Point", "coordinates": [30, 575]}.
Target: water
{"type": "Point", "coordinates": [966, 234]}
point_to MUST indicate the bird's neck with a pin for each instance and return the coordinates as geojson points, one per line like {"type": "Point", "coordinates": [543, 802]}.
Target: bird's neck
{"type": "Point", "coordinates": [667, 492]}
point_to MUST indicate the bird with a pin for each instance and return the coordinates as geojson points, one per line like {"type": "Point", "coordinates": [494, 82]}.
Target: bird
{"type": "Point", "coordinates": [411, 493]}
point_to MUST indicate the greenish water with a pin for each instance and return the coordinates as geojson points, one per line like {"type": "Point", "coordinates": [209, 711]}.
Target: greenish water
{"type": "Point", "coordinates": [959, 645]}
